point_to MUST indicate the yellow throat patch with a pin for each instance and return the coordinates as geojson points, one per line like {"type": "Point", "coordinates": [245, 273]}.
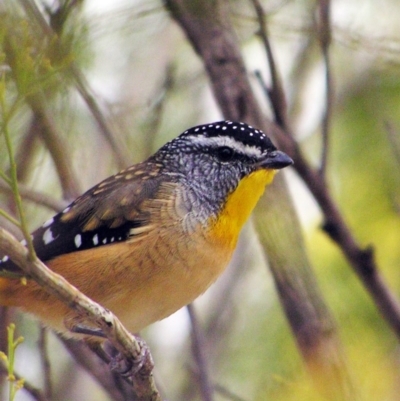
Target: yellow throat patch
{"type": "Point", "coordinates": [238, 207]}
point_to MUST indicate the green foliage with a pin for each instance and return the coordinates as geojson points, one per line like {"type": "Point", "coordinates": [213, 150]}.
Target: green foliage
{"type": "Point", "coordinates": [9, 362]}
{"type": "Point", "coordinates": [34, 58]}
{"type": "Point", "coordinates": [7, 113]}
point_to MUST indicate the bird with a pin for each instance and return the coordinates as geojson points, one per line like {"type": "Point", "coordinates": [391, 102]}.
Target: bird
{"type": "Point", "coordinates": [150, 239]}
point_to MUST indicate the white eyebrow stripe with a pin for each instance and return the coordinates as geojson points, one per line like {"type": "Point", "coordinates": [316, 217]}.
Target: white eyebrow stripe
{"type": "Point", "coordinates": [218, 141]}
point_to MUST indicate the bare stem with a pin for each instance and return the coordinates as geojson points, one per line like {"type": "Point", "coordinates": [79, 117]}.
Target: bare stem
{"type": "Point", "coordinates": [14, 181]}
{"type": "Point", "coordinates": [34, 392]}
{"type": "Point", "coordinates": [198, 346]}
{"type": "Point", "coordinates": [325, 38]}
{"type": "Point", "coordinates": [45, 362]}
{"type": "Point", "coordinates": [361, 260]}
{"type": "Point", "coordinates": [82, 86]}
{"type": "Point", "coordinates": [276, 93]}
{"type": "Point", "coordinates": [37, 197]}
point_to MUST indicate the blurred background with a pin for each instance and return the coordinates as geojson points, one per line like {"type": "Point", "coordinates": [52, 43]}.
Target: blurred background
{"type": "Point", "coordinates": [148, 86]}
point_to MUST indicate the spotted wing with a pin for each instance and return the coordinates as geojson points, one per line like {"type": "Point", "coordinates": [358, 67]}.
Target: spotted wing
{"type": "Point", "coordinates": [112, 211]}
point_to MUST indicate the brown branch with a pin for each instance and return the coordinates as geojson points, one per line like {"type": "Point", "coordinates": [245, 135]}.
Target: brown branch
{"type": "Point", "coordinates": [26, 151]}
{"type": "Point", "coordinates": [276, 94]}
{"type": "Point", "coordinates": [122, 155]}
{"type": "Point", "coordinates": [110, 325]}
{"type": "Point", "coordinates": [198, 347]}
{"type": "Point", "coordinates": [207, 26]}
{"type": "Point", "coordinates": [213, 40]}
{"type": "Point", "coordinates": [45, 362]}
{"type": "Point", "coordinates": [325, 39]}
{"type": "Point", "coordinates": [37, 197]}
{"type": "Point", "coordinates": [361, 260]}
{"type": "Point", "coordinates": [221, 313]}
{"type": "Point", "coordinates": [57, 147]}
{"type": "Point", "coordinates": [10, 227]}
{"type": "Point", "coordinates": [117, 388]}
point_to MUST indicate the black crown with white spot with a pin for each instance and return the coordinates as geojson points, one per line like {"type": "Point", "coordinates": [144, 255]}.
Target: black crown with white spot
{"type": "Point", "coordinates": [238, 131]}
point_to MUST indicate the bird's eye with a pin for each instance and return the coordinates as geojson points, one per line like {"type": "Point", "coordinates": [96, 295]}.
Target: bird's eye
{"type": "Point", "coordinates": [224, 153]}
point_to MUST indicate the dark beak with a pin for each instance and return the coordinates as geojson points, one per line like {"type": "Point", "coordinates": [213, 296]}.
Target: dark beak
{"type": "Point", "coordinates": [276, 160]}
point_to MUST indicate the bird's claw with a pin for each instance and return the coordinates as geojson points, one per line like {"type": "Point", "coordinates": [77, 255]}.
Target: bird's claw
{"type": "Point", "coordinates": [143, 363]}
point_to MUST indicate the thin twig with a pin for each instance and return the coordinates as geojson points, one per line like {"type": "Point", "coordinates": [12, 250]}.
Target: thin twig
{"type": "Point", "coordinates": [21, 223]}
{"type": "Point", "coordinates": [302, 68]}
{"type": "Point", "coordinates": [122, 156]}
{"type": "Point", "coordinates": [157, 108]}
{"type": "Point", "coordinates": [46, 128]}
{"type": "Point", "coordinates": [10, 227]}
{"type": "Point", "coordinates": [198, 346]}
{"type": "Point", "coordinates": [34, 392]}
{"type": "Point", "coordinates": [4, 322]}
{"type": "Point", "coordinates": [117, 388]}
{"type": "Point", "coordinates": [120, 151]}
{"type": "Point", "coordinates": [8, 217]}
{"type": "Point", "coordinates": [25, 153]}
{"type": "Point", "coordinates": [5, 178]}
{"type": "Point", "coordinates": [361, 260]}
{"type": "Point", "coordinates": [276, 94]}
{"type": "Point", "coordinates": [37, 197]}
{"type": "Point", "coordinates": [325, 39]}
{"type": "Point", "coordinates": [45, 362]}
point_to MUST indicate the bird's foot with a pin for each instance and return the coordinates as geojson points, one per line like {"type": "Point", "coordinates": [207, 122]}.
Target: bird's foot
{"type": "Point", "coordinates": [142, 363]}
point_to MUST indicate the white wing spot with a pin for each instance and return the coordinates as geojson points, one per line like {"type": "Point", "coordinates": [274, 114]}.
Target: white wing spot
{"type": "Point", "coordinates": [95, 240]}
{"type": "Point", "coordinates": [112, 239]}
{"type": "Point", "coordinates": [48, 237]}
{"type": "Point", "coordinates": [78, 240]}
{"type": "Point", "coordinates": [23, 242]}
{"type": "Point", "coordinates": [196, 129]}
{"type": "Point", "coordinates": [67, 209]}
{"type": "Point", "coordinates": [104, 241]}
{"type": "Point", "coordinates": [48, 223]}
{"type": "Point", "coordinates": [224, 128]}
{"type": "Point", "coordinates": [5, 259]}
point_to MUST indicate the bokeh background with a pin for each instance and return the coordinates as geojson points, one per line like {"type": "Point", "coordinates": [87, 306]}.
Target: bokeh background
{"type": "Point", "coordinates": [149, 86]}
